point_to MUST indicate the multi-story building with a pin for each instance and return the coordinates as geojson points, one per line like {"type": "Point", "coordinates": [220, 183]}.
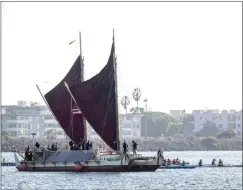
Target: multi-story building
{"type": "Point", "coordinates": [224, 120]}
{"type": "Point", "coordinates": [24, 119]}
{"type": "Point", "coordinates": [130, 126]}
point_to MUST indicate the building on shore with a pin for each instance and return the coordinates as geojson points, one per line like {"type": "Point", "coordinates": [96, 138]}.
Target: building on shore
{"type": "Point", "coordinates": [25, 118]}
{"type": "Point", "coordinates": [224, 120]}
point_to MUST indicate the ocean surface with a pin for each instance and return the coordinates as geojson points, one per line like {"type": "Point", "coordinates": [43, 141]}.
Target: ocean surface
{"type": "Point", "coordinates": [199, 178]}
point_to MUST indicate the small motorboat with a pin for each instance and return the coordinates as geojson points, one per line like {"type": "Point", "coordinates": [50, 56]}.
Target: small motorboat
{"type": "Point", "coordinates": [178, 166]}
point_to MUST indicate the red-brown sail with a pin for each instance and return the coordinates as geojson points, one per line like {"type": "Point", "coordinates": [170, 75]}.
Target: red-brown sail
{"type": "Point", "coordinates": [62, 106]}
{"type": "Point", "coordinates": [96, 98]}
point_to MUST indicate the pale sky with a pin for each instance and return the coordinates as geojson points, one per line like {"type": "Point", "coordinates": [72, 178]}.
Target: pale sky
{"type": "Point", "coordinates": [181, 55]}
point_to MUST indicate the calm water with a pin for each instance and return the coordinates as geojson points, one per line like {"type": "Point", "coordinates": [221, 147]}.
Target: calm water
{"type": "Point", "coordinates": [199, 178]}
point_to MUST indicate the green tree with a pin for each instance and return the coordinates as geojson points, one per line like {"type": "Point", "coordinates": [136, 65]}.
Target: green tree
{"type": "Point", "coordinates": [125, 101]}
{"type": "Point", "coordinates": [172, 130]}
{"type": "Point", "coordinates": [226, 134]}
{"type": "Point", "coordinates": [209, 143]}
{"type": "Point", "coordinates": [209, 129]}
{"type": "Point", "coordinates": [136, 96]}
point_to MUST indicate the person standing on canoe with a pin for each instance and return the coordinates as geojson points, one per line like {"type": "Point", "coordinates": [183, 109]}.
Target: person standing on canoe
{"type": "Point", "coordinates": [134, 147]}
{"type": "Point", "coordinates": [125, 147]}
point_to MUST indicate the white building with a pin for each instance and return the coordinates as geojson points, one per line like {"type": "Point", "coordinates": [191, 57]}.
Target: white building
{"type": "Point", "coordinates": [24, 119]}
{"type": "Point", "coordinates": [130, 126]}
{"type": "Point", "coordinates": [224, 120]}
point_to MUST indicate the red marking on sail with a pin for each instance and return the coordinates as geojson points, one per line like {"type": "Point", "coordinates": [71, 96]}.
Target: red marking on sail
{"type": "Point", "coordinates": [60, 103]}
{"type": "Point", "coordinates": [96, 97]}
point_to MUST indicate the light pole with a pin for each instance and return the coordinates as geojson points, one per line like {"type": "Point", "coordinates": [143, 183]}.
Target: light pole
{"type": "Point", "coordinates": [33, 140]}
{"type": "Point", "coordinates": [146, 123]}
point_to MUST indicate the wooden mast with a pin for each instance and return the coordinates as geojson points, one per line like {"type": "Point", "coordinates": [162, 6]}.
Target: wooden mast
{"type": "Point", "coordinates": [82, 79]}
{"type": "Point", "coordinates": [116, 97]}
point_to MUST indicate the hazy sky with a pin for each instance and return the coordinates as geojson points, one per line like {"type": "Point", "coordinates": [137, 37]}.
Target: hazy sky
{"type": "Point", "coordinates": [181, 55]}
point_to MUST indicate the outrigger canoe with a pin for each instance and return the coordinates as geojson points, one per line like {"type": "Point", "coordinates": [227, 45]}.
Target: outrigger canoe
{"type": "Point", "coordinates": [178, 167]}
{"type": "Point", "coordinates": [8, 164]}
{"type": "Point", "coordinates": [217, 166]}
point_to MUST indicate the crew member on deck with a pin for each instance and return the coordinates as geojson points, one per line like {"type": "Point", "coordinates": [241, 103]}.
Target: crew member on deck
{"type": "Point", "coordinates": [27, 154]}
{"type": "Point", "coordinates": [37, 145]}
{"type": "Point", "coordinates": [134, 147]}
{"type": "Point", "coordinates": [125, 147]}
{"type": "Point", "coordinates": [87, 145]}
{"type": "Point", "coordinates": [83, 145]}
{"type": "Point", "coordinates": [90, 145]}
{"type": "Point", "coordinates": [71, 145]}
{"type": "Point", "coordinates": [80, 143]}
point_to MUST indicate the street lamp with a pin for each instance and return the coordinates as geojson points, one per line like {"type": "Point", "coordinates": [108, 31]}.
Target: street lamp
{"type": "Point", "coordinates": [33, 141]}
{"type": "Point", "coordinates": [146, 125]}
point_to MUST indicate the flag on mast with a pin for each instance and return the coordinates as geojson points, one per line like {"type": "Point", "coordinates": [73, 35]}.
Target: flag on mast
{"type": "Point", "coordinates": [71, 42]}
{"type": "Point", "coordinates": [76, 110]}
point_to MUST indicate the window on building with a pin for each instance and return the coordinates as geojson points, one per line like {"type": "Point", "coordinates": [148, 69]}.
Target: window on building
{"type": "Point", "coordinates": [220, 126]}
{"type": "Point", "coordinates": [239, 125]}
{"type": "Point", "coordinates": [137, 126]}
{"type": "Point", "coordinates": [12, 126]}
{"type": "Point", "coordinates": [13, 117]}
{"type": "Point", "coordinates": [51, 125]}
{"type": "Point", "coordinates": [239, 118]}
{"type": "Point", "coordinates": [48, 118]}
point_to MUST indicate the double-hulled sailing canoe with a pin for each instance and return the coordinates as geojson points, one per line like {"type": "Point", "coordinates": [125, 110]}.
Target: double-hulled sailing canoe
{"type": "Point", "coordinates": [96, 99]}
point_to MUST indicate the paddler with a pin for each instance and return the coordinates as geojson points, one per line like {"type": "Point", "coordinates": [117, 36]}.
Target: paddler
{"type": "Point", "coordinates": [3, 161]}
{"type": "Point", "coordinates": [220, 163]}
{"type": "Point", "coordinates": [213, 162]}
{"type": "Point", "coordinates": [174, 162]}
{"type": "Point", "coordinates": [200, 162]}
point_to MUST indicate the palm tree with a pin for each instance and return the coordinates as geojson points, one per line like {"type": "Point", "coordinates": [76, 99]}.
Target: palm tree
{"type": "Point", "coordinates": [136, 95]}
{"type": "Point", "coordinates": [125, 102]}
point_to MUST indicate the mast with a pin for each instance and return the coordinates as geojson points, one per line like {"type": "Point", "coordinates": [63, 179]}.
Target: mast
{"type": "Point", "coordinates": [116, 97]}
{"type": "Point", "coordinates": [81, 80]}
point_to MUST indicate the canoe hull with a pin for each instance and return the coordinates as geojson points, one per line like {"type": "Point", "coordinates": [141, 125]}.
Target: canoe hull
{"type": "Point", "coordinates": [177, 167]}
{"type": "Point", "coordinates": [8, 164]}
{"type": "Point", "coordinates": [119, 168]}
